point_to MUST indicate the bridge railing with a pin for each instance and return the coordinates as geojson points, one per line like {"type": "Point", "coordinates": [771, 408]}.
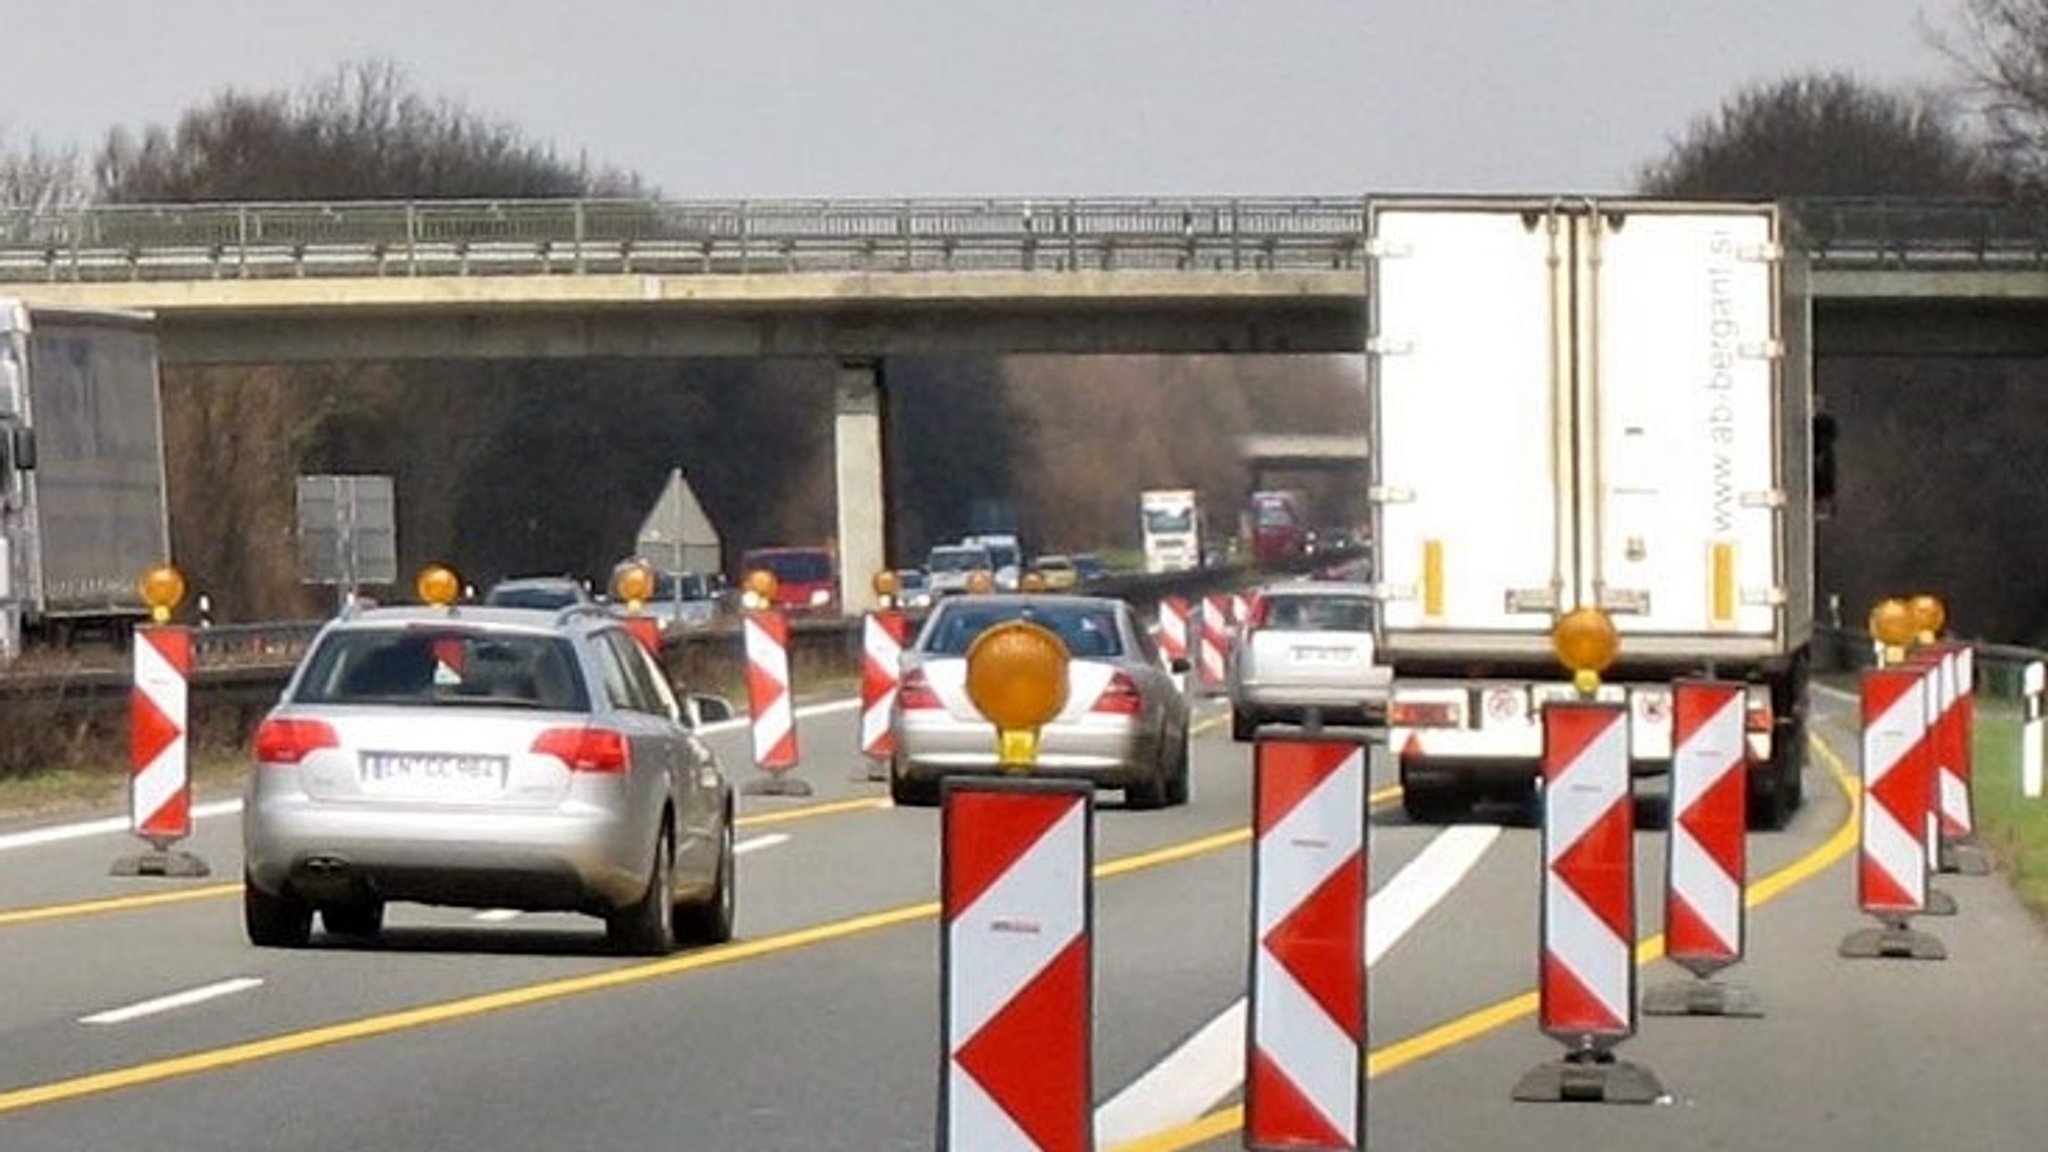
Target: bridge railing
{"type": "Point", "coordinates": [465, 237]}
{"type": "Point", "coordinates": [480, 237]}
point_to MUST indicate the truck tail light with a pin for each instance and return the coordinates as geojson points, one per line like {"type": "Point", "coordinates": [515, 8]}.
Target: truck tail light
{"type": "Point", "coordinates": [287, 740]}
{"type": "Point", "coordinates": [1757, 717]}
{"type": "Point", "coordinates": [586, 749]}
{"type": "Point", "coordinates": [914, 692]}
{"type": "Point", "coordinates": [1422, 714]}
{"type": "Point", "coordinates": [1119, 697]}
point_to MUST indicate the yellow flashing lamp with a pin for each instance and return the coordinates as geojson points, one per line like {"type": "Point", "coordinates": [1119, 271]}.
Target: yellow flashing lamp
{"type": "Point", "coordinates": [1891, 624]}
{"type": "Point", "coordinates": [1017, 677]}
{"type": "Point", "coordinates": [886, 584]}
{"type": "Point", "coordinates": [1032, 582]}
{"type": "Point", "coordinates": [758, 589]}
{"type": "Point", "coordinates": [633, 582]}
{"type": "Point", "coordinates": [437, 585]}
{"type": "Point", "coordinates": [1586, 643]}
{"type": "Point", "coordinates": [1929, 615]}
{"type": "Point", "coordinates": [981, 582]}
{"type": "Point", "coordinates": [162, 586]}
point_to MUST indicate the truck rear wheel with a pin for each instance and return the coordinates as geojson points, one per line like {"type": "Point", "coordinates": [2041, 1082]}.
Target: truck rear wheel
{"type": "Point", "coordinates": [1434, 803]}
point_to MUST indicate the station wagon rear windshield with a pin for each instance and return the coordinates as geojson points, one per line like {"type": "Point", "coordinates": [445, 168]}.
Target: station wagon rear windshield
{"type": "Point", "coordinates": [1087, 631]}
{"type": "Point", "coordinates": [793, 567]}
{"type": "Point", "coordinates": [430, 667]}
{"type": "Point", "coordinates": [1319, 614]}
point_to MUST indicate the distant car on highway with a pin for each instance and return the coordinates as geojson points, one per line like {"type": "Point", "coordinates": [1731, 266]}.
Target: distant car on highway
{"type": "Point", "coordinates": [913, 588]}
{"type": "Point", "coordinates": [488, 758]}
{"type": "Point", "coordinates": [952, 566]}
{"type": "Point", "coordinates": [538, 592]}
{"type": "Point", "coordinates": [1124, 726]}
{"type": "Point", "coordinates": [1307, 645]}
{"type": "Point", "coordinates": [806, 579]}
{"type": "Point", "coordinates": [1058, 572]}
{"type": "Point", "coordinates": [687, 601]}
{"type": "Point", "coordinates": [1088, 568]}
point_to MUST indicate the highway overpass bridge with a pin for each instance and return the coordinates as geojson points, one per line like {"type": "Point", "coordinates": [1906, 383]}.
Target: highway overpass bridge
{"type": "Point", "coordinates": [858, 281]}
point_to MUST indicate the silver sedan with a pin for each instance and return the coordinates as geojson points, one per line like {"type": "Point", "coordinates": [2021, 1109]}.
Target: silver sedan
{"type": "Point", "coordinates": [1125, 724]}
{"type": "Point", "coordinates": [484, 757]}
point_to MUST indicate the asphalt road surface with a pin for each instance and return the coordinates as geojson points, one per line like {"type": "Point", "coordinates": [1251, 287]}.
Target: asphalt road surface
{"type": "Point", "coordinates": [139, 1017]}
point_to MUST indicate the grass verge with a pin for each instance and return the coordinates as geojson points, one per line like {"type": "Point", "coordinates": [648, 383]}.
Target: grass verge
{"type": "Point", "coordinates": [2013, 828]}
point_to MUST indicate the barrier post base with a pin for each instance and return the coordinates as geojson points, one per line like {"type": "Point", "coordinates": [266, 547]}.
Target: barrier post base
{"type": "Point", "coordinates": [870, 769]}
{"type": "Point", "coordinates": [1939, 903]}
{"type": "Point", "coordinates": [160, 862]}
{"type": "Point", "coordinates": [776, 785]}
{"type": "Point", "coordinates": [1701, 998]}
{"type": "Point", "coordinates": [1589, 1076]}
{"type": "Point", "coordinates": [1962, 858]}
{"type": "Point", "coordinates": [1897, 940]}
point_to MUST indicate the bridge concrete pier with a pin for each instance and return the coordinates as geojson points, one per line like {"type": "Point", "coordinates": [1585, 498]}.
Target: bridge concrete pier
{"type": "Point", "coordinates": [858, 469]}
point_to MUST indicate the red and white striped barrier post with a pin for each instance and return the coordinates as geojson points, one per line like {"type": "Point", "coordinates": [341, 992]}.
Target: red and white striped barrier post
{"type": "Point", "coordinates": [883, 635]}
{"type": "Point", "coordinates": [1706, 861]}
{"type": "Point", "coordinates": [159, 781]}
{"type": "Point", "coordinates": [1891, 872]}
{"type": "Point", "coordinates": [1210, 671]}
{"type": "Point", "coordinates": [1305, 1087]}
{"type": "Point", "coordinates": [1956, 849]}
{"type": "Point", "coordinates": [1587, 979]}
{"type": "Point", "coordinates": [1016, 962]}
{"type": "Point", "coordinates": [1173, 628]}
{"type": "Point", "coordinates": [771, 712]}
{"type": "Point", "coordinates": [1927, 663]}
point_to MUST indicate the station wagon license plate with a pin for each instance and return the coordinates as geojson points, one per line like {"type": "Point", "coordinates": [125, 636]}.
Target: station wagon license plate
{"type": "Point", "coordinates": [1305, 655]}
{"type": "Point", "coordinates": [434, 771]}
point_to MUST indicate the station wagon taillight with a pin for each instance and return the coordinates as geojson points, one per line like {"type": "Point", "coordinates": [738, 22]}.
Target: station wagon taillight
{"type": "Point", "coordinates": [914, 692]}
{"type": "Point", "coordinates": [1119, 697]}
{"type": "Point", "coordinates": [288, 740]}
{"type": "Point", "coordinates": [586, 749]}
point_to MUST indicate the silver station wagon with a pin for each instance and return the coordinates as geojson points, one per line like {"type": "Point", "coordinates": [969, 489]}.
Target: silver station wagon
{"type": "Point", "coordinates": [489, 758]}
{"type": "Point", "coordinates": [1125, 723]}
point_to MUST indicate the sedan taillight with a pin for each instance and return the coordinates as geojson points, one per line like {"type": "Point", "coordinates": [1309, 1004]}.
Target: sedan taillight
{"type": "Point", "coordinates": [1120, 697]}
{"type": "Point", "coordinates": [915, 693]}
{"type": "Point", "coordinates": [288, 740]}
{"type": "Point", "coordinates": [586, 749]}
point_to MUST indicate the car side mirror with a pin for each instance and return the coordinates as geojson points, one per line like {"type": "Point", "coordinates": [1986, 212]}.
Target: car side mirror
{"type": "Point", "coordinates": [703, 708]}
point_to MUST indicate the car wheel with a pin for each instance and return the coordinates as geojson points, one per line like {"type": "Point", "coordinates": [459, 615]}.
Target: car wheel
{"type": "Point", "coordinates": [362, 919]}
{"type": "Point", "coordinates": [647, 927]}
{"type": "Point", "coordinates": [909, 793]}
{"type": "Point", "coordinates": [1243, 726]}
{"type": "Point", "coordinates": [1151, 792]}
{"type": "Point", "coordinates": [711, 921]}
{"type": "Point", "coordinates": [1179, 782]}
{"type": "Point", "coordinates": [280, 921]}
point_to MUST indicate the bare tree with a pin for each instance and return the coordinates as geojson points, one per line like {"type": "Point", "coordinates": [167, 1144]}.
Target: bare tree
{"type": "Point", "coordinates": [363, 132]}
{"type": "Point", "coordinates": [2001, 50]}
{"type": "Point", "coordinates": [1822, 134]}
{"type": "Point", "coordinates": [40, 177]}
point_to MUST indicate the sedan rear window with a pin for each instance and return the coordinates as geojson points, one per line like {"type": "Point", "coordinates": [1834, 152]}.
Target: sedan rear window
{"type": "Point", "coordinates": [1087, 631]}
{"type": "Point", "coordinates": [1319, 614]}
{"type": "Point", "coordinates": [443, 666]}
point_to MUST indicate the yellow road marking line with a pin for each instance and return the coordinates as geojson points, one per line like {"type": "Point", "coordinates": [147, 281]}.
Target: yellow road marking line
{"type": "Point", "coordinates": [213, 891]}
{"type": "Point", "coordinates": [1226, 1121]}
{"type": "Point", "coordinates": [385, 1024]}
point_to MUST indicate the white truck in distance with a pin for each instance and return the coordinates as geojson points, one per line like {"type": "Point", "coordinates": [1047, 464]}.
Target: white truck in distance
{"type": "Point", "coordinates": [1587, 404]}
{"type": "Point", "coordinates": [1170, 525]}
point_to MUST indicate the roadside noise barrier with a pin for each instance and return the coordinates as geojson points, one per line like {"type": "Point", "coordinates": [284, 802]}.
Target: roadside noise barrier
{"type": "Point", "coordinates": [1898, 779]}
{"type": "Point", "coordinates": [1587, 979]}
{"type": "Point", "coordinates": [883, 635]}
{"type": "Point", "coordinates": [1706, 862]}
{"type": "Point", "coordinates": [1016, 965]}
{"type": "Point", "coordinates": [1305, 1084]}
{"type": "Point", "coordinates": [159, 784]}
{"type": "Point", "coordinates": [771, 712]}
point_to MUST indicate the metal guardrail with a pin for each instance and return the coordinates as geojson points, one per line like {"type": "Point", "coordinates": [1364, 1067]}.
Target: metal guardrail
{"type": "Point", "coordinates": [545, 237]}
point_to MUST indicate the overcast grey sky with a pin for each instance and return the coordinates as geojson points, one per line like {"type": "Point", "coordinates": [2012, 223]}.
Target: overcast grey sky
{"type": "Point", "coordinates": [1040, 97]}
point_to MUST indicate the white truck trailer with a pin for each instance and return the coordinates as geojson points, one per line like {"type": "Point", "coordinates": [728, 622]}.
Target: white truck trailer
{"type": "Point", "coordinates": [1170, 529]}
{"type": "Point", "coordinates": [1580, 403]}
{"type": "Point", "coordinates": [83, 509]}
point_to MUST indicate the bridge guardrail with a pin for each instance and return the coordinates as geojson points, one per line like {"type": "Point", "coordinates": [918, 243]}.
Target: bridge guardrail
{"type": "Point", "coordinates": [545, 237]}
